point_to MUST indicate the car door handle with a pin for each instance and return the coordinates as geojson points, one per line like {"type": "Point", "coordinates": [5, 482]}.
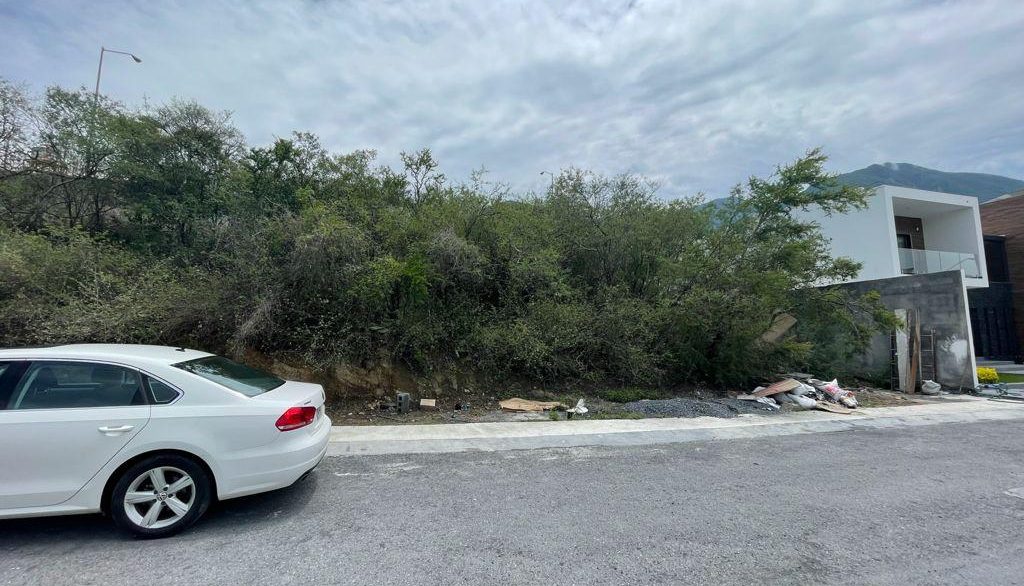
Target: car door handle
{"type": "Point", "coordinates": [118, 429]}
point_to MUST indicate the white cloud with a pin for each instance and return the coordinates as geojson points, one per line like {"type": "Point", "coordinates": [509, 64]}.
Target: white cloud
{"type": "Point", "coordinates": [698, 94]}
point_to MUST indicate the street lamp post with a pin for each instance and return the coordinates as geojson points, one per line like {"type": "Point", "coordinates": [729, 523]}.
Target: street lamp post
{"type": "Point", "coordinates": [95, 117]}
{"type": "Point", "coordinates": [99, 70]}
{"type": "Point", "coordinates": [550, 175]}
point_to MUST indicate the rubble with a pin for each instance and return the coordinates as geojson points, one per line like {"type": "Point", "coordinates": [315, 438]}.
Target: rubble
{"type": "Point", "coordinates": [930, 387]}
{"type": "Point", "coordinates": [780, 387]}
{"type": "Point", "coordinates": [803, 389]}
{"type": "Point", "coordinates": [803, 401]}
{"type": "Point", "coordinates": [833, 407]}
{"type": "Point", "coordinates": [579, 409]}
{"type": "Point", "coordinates": [835, 392]}
{"type": "Point", "coordinates": [770, 402]}
{"type": "Point", "coordinates": [404, 402]}
{"type": "Point", "coordinates": [515, 404]}
{"type": "Point", "coordinates": [812, 394]}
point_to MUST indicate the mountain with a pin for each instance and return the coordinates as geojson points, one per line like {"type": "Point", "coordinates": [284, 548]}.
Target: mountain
{"type": "Point", "coordinates": [980, 185]}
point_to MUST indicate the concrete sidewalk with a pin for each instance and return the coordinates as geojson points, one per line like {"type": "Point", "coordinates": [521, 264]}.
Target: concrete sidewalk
{"type": "Point", "coordinates": [461, 437]}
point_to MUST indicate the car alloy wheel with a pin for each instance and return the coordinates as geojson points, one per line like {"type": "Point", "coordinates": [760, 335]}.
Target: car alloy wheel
{"type": "Point", "coordinates": [159, 497]}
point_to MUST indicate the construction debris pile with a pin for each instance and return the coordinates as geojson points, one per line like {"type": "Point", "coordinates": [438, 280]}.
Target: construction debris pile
{"type": "Point", "coordinates": [517, 405]}
{"type": "Point", "coordinates": [804, 392]}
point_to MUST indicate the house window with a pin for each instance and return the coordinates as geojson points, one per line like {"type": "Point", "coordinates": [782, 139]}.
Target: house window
{"type": "Point", "coordinates": [903, 241]}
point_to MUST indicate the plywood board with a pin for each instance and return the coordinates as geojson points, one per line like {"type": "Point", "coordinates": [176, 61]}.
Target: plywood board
{"type": "Point", "coordinates": [516, 404]}
{"type": "Point", "coordinates": [780, 387]}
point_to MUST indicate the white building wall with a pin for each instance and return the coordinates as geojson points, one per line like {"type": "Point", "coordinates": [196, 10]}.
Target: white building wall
{"type": "Point", "coordinates": [866, 235]}
{"type": "Point", "coordinates": [947, 232]}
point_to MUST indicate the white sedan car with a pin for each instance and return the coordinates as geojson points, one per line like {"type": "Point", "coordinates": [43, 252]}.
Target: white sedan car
{"type": "Point", "coordinates": [149, 435]}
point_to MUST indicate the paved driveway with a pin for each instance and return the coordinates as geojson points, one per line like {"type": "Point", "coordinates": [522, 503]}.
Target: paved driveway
{"type": "Point", "coordinates": [923, 505]}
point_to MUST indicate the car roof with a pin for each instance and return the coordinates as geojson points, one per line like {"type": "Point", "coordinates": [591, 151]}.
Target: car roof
{"type": "Point", "coordinates": [113, 352]}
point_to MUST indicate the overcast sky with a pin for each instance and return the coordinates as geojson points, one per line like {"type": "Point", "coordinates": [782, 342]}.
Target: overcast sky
{"type": "Point", "coordinates": [697, 95]}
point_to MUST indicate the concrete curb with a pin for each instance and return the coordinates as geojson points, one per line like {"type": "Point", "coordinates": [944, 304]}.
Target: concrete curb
{"type": "Point", "coordinates": [461, 437]}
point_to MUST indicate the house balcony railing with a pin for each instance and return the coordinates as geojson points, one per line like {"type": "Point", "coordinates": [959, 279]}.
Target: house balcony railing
{"type": "Point", "coordinates": [919, 262]}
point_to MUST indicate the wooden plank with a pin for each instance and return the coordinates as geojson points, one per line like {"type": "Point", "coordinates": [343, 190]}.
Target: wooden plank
{"type": "Point", "coordinates": [525, 405]}
{"type": "Point", "coordinates": [780, 387]}
{"type": "Point", "coordinates": [902, 349]}
{"type": "Point", "coordinates": [915, 352]}
{"type": "Point", "coordinates": [780, 325]}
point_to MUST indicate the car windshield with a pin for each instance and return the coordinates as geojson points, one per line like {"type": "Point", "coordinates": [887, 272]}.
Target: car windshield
{"type": "Point", "coordinates": [238, 377]}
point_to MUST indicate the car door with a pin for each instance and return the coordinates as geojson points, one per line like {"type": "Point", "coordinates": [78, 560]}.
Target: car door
{"type": "Point", "coordinates": [61, 422]}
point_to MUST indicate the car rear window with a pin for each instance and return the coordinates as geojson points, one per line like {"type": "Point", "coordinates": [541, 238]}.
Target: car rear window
{"type": "Point", "coordinates": [237, 377]}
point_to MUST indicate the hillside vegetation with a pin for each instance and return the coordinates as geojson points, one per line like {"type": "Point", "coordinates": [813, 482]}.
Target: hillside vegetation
{"type": "Point", "coordinates": [163, 226]}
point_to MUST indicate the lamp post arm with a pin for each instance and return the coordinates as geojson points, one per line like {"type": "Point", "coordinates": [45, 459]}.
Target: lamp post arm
{"type": "Point", "coordinates": [99, 70]}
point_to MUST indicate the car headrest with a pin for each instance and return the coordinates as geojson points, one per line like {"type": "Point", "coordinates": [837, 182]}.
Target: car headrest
{"type": "Point", "coordinates": [107, 375]}
{"type": "Point", "coordinates": [45, 379]}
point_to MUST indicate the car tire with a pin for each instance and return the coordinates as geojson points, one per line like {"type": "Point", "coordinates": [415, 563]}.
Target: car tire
{"type": "Point", "coordinates": [160, 495]}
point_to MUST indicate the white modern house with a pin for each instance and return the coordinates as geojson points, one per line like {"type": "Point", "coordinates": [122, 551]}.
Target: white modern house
{"type": "Point", "coordinates": [899, 238]}
{"type": "Point", "coordinates": [907, 231]}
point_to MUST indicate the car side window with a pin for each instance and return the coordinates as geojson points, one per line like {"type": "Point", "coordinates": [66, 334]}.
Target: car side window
{"type": "Point", "coordinates": [160, 393]}
{"type": "Point", "coordinates": [68, 385]}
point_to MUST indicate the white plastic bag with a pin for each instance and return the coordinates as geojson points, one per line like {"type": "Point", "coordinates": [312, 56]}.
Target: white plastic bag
{"type": "Point", "coordinates": [803, 401]}
{"type": "Point", "coordinates": [803, 389]}
{"type": "Point", "coordinates": [835, 392]}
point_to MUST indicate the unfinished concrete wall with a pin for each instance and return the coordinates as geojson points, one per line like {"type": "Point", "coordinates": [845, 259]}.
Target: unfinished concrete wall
{"type": "Point", "coordinates": [940, 300]}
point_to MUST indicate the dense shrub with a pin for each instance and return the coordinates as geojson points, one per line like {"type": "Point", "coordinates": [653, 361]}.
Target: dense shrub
{"type": "Point", "coordinates": [69, 287]}
{"type": "Point", "coordinates": [159, 226]}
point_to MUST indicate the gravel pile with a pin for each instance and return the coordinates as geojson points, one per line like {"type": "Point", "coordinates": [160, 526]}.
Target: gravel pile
{"type": "Point", "coordinates": [688, 407]}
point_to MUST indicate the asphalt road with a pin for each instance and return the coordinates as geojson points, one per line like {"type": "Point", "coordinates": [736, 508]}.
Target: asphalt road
{"type": "Point", "coordinates": [923, 505]}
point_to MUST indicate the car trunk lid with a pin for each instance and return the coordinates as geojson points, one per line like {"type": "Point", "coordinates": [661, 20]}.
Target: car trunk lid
{"type": "Point", "coordinates": [297, 394]}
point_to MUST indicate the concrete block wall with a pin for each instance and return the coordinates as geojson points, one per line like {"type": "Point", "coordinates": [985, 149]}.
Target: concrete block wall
{"type": "Point", "coordinates": [940, 300]}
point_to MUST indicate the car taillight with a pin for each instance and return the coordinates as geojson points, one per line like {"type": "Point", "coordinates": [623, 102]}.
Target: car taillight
{"type": "Point", "coordinates": [296, 417]}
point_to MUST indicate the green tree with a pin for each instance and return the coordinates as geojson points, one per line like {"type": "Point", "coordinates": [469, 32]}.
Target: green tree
{"type": "Point", "coordinates": [173, 166]}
